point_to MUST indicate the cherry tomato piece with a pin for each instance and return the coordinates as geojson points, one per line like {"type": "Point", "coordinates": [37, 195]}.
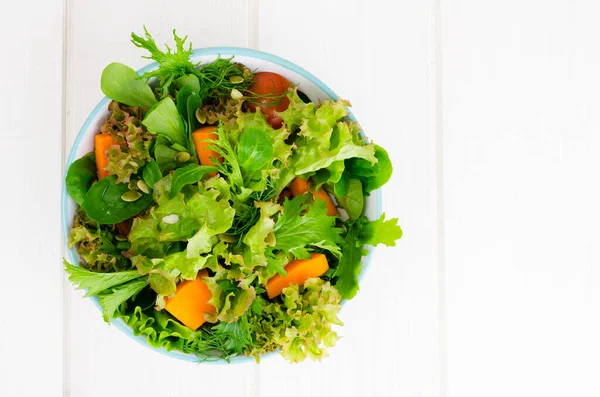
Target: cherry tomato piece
{"type": "Point", "coordinates": [266, 86]}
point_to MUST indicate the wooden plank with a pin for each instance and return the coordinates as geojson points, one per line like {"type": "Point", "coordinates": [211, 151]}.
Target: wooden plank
{"type": "Point", "coordinates": [520, 153]}
{"type": "Point", "coordinates": [98, 34]}
{"type": "Point", "coordinates": [378, 57]}
{"type": "Point", "coordinates": [30, 115]}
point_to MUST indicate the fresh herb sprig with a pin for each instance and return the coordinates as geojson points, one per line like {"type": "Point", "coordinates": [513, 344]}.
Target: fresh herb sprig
{"type": "Point", "coordinates": [216, 79]}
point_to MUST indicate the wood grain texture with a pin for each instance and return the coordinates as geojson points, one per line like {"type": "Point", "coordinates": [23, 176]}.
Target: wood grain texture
{"type": "Point", "coordinates": [99, 34]}
{"type": "Point", "coordinates": [521, 144]}
{"type": "Point", "coordinates": [377, 56]}
{"type": "Point", "coordinates": [30, 242]}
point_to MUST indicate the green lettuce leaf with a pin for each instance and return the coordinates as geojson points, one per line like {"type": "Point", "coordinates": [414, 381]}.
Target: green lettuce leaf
{"type": "Point", "coordinates": [196, 218]}
{"type": "Point", "coordinates": [151, 173]}
{"type": "Point", "coordinates": [231, 301]}
{"type": "Point", "coordinates": [163, 119]}
{"type": "Point", "coordinates": [281, 151]}
{"type": "Point", "coordinates": [361, 232]}
{"type": "Point", "coordinates": [381, 231]}
{"type": "Point", "coordinates": [176, 222]}
{"type": "Point", "coordinates": [253, 154]}
{"type": "Point", "coordinates": [96, 283]}
{"type": "Point", "coordinates": [353, 201]}
{"type": "Point", "coordinates": [111, 300]}
{"type": "Point", "coordinates": [323, 137]}
{"type": "Point", "coordinates": [331, 174]}
{"type": "Point", "coordinates": [254, 149]}
{"type": "Point", "coordinates": [315, 154]}
{"type": "Point", "coordinates": [300, 325]}
{"type": "Point", "coordinates": [215, 216]}
{"type": "Point", "coordinates": [144, 238]}
{"type": "Point", "coordinates": [299, 228]}
{"type": "Point", "coordinates": [163, 284]}
{"type": "Point", "coordinates": [372, 176]}
{"type": "Point", "coordinates": [179, 262]}
{"type": "Point", "coordinates": [122, 84]}
{"type": "Point", "coordinates": [165, 157]}
{"type": "Point", "coordinates": [221, 185]}
{"type": "Point", "coordinates": [188, 175]}
{"type": "Point", "coordinates": [261, 235]}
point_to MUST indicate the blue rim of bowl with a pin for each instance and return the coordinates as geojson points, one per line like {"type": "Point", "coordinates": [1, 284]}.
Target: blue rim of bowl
{"type": "Point", "coordinates": [235, 51]}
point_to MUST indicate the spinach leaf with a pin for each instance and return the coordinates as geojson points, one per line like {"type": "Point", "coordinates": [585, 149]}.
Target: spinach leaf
{"type": "Point", "coordinates": [103, 202]}
{"type": "Point", "coordinates": [182, 97]}
{"type": "Point", "coordinates": [340, 188]}
{"type": "Point", "coordinates": [372, 176]}
{"type": "Point", "coordinates": [151, 173]}
{"type": "Point", "coordinates": [163, 119]}
{"type": "Point", "coordinates": [255, 149]}
{"type": "Point", "coordinates": [187, 175]}
{"type": "Point", "coordinates": [121, 83]}
{"type": "Point", "coordinates": [194, 101]}
{"type": "Point", "coordinates": [80, 176]}
{"type": "Point", "coordinates": [353, 201]}
{"type": "Point", "coordinates": [165, 158]}
{"type": "Point", "coordinates": [188, 79]}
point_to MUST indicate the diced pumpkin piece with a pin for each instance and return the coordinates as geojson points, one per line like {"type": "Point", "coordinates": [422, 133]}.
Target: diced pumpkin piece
{"type": "Point", "coordinates": [190, 301]}
{"type": "Point", "coordinates": [321, 194]}
{"type": "Point", "coordinates": [101, 143]}
{"type": "Point", "coordinates": [205, 155]}
{"type": "Point", "coordinates": [298, 271]}
{"type": "Point", "coordinates": [300, 186]}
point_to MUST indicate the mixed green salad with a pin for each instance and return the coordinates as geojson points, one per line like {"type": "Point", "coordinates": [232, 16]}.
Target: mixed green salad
{"type": "Point", "coordinates": [221, 212]}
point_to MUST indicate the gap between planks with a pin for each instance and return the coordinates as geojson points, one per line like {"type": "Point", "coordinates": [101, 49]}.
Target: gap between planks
{"type": "Point", "coordinates": [436, 75]}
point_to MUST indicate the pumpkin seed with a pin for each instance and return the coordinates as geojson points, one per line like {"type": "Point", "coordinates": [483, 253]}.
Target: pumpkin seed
{"type": "Point", "coordinates": [170, 219]}
{"type": "Point", "coordinates": [118, 237]}
{"type": "Point", "coordinates": [246, 72]}
{"type": "Point", "coordinates": [133, 163]}
{"type": "Point", "coordinates": [201, 116]}
{"type": "Point", "coordinates": [131, 196]}
{"type": "Point", "coordinates": [142, 186]}
{"type": "Point", "coordinates": [227, 238]}
{"type": "Point", "coordinates": [182, 157]}
{"type": "Point", "coordinates": [132, 185]}
{"type": "Point", "coordinates": [236, 79]}
{"type": "Point", "coordinates": [235, 94]}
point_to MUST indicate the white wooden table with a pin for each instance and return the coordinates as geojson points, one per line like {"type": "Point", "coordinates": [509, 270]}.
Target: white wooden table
{"type": "Point", "coordinates": [491, 113]}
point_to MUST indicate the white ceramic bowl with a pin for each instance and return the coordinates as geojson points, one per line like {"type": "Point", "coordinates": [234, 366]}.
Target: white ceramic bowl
{"type": "Point", "coordinates": [84, 143]}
